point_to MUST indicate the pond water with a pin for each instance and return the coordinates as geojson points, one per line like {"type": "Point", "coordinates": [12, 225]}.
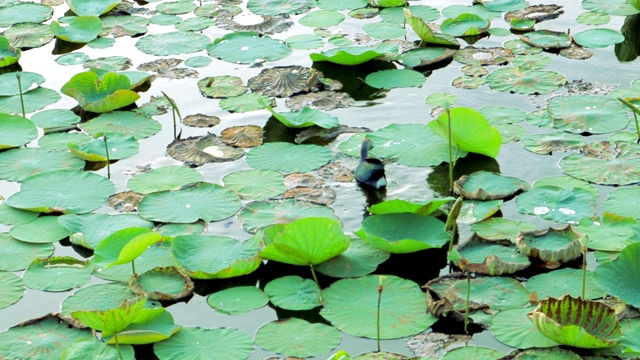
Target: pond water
{"type": "Point", "coordinates": [397, 106]}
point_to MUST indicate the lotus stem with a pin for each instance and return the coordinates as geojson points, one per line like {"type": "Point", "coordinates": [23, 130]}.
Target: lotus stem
{"type": "Point", "coordinates": [452, 223]}
{"type": "Point", "coordinates": [106, 149]}
{"type": "Point", "coordinates": [174, 111]}
{"type": "Point", "coordinates": [380, 288]}
{"type": "Point", "coordinates": [635, 116]}
{"type": "Point", "coordinates": [24, 114]}
{"type": "Point", "coordinates": [133, 267]}
{"type": "Point", "coordinates": [118, 347]}
{"type": "Point", "coordinates": [315, 278]}
{"type": "Point", "coordinates": [583, 249]}
{"type": "Point", "coordinates": [466, 305]}
{"type": "Point", "coordinates": [451, 164]}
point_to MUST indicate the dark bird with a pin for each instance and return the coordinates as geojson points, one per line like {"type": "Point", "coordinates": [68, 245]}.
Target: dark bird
{"type": "Point", "coordinates": [370, 171]}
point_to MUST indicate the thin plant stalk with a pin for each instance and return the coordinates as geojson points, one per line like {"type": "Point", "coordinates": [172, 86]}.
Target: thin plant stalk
{"type": "Point", "coordinates": [452, 223]}
{"type": "Point", "coordinates": [451, 164]}
{"type": "Point", "coordinates": [635, 116]}
{"type": "Point", "coordinates": [315, 278]}
{"type": "Point", "coordinates": [466, 305]}
{"type": "Point", "coordinates": [133, 267]}
{"type": "Point", "coordinates": [106, 149]}
{"type": "Point", "coordinates": [174, 111]}
{"type": "Point", "coordinates": [380, 288]}
{"type": "Point", "coordinates": [24, 114]}
{"type": "Point", "coordinates": [118, 347]}
{"type": "Point", "coordinates": [583, 249]}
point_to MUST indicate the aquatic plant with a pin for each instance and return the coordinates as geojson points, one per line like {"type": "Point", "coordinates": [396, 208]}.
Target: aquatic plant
{"type": "Point", "coordinates": [100, 94]}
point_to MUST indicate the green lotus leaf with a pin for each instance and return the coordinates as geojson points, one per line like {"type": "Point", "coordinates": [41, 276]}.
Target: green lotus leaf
{"type": "Point", "coordinates": [297, 337]}
{"type": "Point", "coordinates": [354, 55]}
{"type": "Point", "coordinates": [123, 123]}
{"type": "Point", "coordinates": [258, 214]}
{"type": "Point", "coordinates": [24, 12]}
{"type": "Point", "coordinates": [564, 281]}
{"type": "Point", "coordinates": [322, 18]}
{"type": "Point", "coordinates": [164, 178]}
{"type": "Point", "coordinates": [403, 232]}
{"type": "Point", "coordinates": [547, 39]}
{"type": "Point", "coordinates": [502, 115]}
{"type": "Point", "coordinates": [66, 191]}
{"type": "Point", "coordinates": [426, 35]}
{"type": "Point", "coordinates": [215, 257]}
{"type": "Point", "coordinates": [105, 148]}
{"type": "Point", "coordinates": [624, 202]}
{"type": "Point", "coordinates": [100, 95]}
{"type": "Point", "coordinates": [473, 211]}
{"type": "Point", "coordinates": [472, 352]}
{"type": "Point", "coordinates": [341, 4]}
{"type": "Point", "coordinates": [548, 143]}
{"type": "Point", "coordinates": [287, 157]}
{"type": "Point", "coordinates": [402, 307]}
{"type": "Point", "coordinates": [81, 30]}
{"type": "Point", "coordinates": [135, 247]}
{"type": "Point", "coordinates": [247, 48]}
{"type": "Point", "coordinates": [15, 131]}
{"type": "Point", "coordinates": [358, 260]}
{"type": "Point", "coordinates": [605, 163]}
{"type": "Point", "coordinates": [497, 228]}
{"type": "Point", "coordinates": [453, 11]}
{"type": "Point", "coordinates": [33, 100]}
{"type": "Point", "coordinates": [588, 114]}
{"type": "Point", "coordinates": [307, 241]}
{"type": "Point", "coordinates": [485, 185]}
{"type": "Point", "coordinates": [611, 7]}
{"type": "Point", "coordinates": [9, 81]}
{"type": "Point", "coordinates": [293, 293]}
{"type": "Point", "coordinates": [222, 86]}
{"type": "Point", "coordinates": [172, 43]}
{"type": "Point", "coordinates": [465, 25]}
{"type": "Point", "coordinates": [470, 131]}
{"type": "Point", "coordinates": [576, 322]}
{"type": "Point", "coordinates": [396, 14]}
{"type": "Point", "coordinates": [598, 38]}
{"type": "Point", "coordinates": [618, 277]}
{"type": "Point", "coordinates": [17, 255]}
{"type": "Point", "coordinates": [384, 30]}
{"type": "Point", "coordinates": [611, 233]}
{"type": "Point", "coordinates": [403, 206]}
{"type": "Point", "coordinates": [150, 326]}
{"type": "Point", "coordinates": [557, 204]}
{"type": "Point", "coordinates": [8, 54]}
{"type": "Point", "coordinates": [491, 259]}
{"type": "Point", "coordinates": [176, 7]}
{"type": "Point", "coordinates": [398, 78]}
{"type": "Point", "coordinates": [503, 5]}
{"type": "Point", "coordinates": [201, 200]}
{"type": "Point", "coordinates": [512, 327]}
{"type": "Point", "coordinates": [95, 349]}
{"type": "Point", "coordinates": [524, 81]}
{"type": "Point", "coordinates": [305, 41]}
{"type": "Point", "coordinates": [88, 230]}
{"type": "Point", "coordinates": [97, 297]}
{"type": "Point", "coordinates": [556, 246]}
{"type": "Point", "coordinates": [44, 229]}
{"type": "Point", "coordinates": [91, 7]}
{"type": "Point", "coordinates": [594, 18]}
{"type": "Point", "coordinates": [58, 273]}
{"type": "Point", "coordinates": [112, 320]}
{"type": "Point", "coordinates": [12, 289]}
{"type": "Point", "coordinates": [255, 184]}
{"type": "Point", "coordinates": [425, 56]}
{"type": "Point", "coordinates": [50, 335]}
{"type": "Point", "coordinates": [118, 26]}
{"type": "Point", "coordinates": [193, 343]}
{"type": "Point", "coordinates": [237, 300]}
{"type": "Point", "coordinates": [162, 284]}
{"type": "Point", "coordinates": [305, 117]}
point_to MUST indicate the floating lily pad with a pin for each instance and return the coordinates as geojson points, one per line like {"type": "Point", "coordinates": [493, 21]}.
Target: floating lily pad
{"type": "Point", "coordinates": [162, 283]}
{"type": "Point", "coordinates": [390, 79]}
{"type": "Point", "coordinates": [554, 246]}
{"type": "Point", "coordinates": [54, 117]}
{"type": "Point", "coordinates": [122, 122]}
{"type": "Point", "coordinates": [611, 7]}
{"type": "Point", "coordinates": [34, 100]}
{"type": "Point", "coordinates": [95, 348]}
{"type": "Point", "coordinates": [44, 229]}
{"type": "Point", "coordinates": [117, 147]}
{"type": "Point", "coordinates": [305, 41]}
{"type": "Point", "coordinates": [557, 204]}
{"type": "Point", "coordinates": [588, 113]}
{"type": "Point", "coordinates": [593, 18]}
{"type": "Point", "coordinates": [465, 25]}
{"type": "Point", "coordinates": [471, 55]}
{"type": "Point", "coordinates": [172, 43]}
{"type": "Point", "coordinates": [425, 56]}
{"type": "Point", "coordinates": [81, 30]}
{"type": "Point", "coordinates": [88, 230]}
{"type": "Point", "coordinates": [598, 38]}
{"type": "Point", "coordinates": [49, 335]}
{"type": "Point", "coordinates": [403, 309]}
{"type": "Point", "coordinates": [12, 289]}
{"type": "Point", "coordinates": [196, 151]}
{"type": "Point", "coordinates": [275, 7]}
{"type": "Point", "coordinates": [358, 260]}
{"type": "Point", "coordinates": [354, 55]}
{"type": "Point", "coordinates": [91, 8]}
{"type": "Point", "coordinates": [605, 163]}
{"type": "Point", "coordinates": [490, 259]}
{"type": "Point", "coordinates": [618, 277]}
{"type": "Point", "coordinates": [297, 337]}
{"type": "Point", "coordinates": [500, 115]}
{"type": "Point", "coordinates": [24, 12]}
{"type": "Point", "coordinates": [58, 273]}
{"type": "Point", "coordinates": [548, 143]}
{"type": "Point", "coordinates": [511, 133]}
{"type": "Point", "coordinates": [564, 281]}
{"type": "Point", "coordinates": [8, 54]}
{"type": "Point", "coordinates": [293, 293]}
{"type": "Point", "coordinates": [484, 185]}
{"type": "Point", "coordinates": [176, 7]}
{"type": "Point", "coordinates": [17, 255]}
{"type": "Point", "coordinates": [611, 233]}
{"type": "Point", "coordinates": [15, 131]}
{"type": "Point", "coordinates": [20, 164]}
{"type": "Point", "coordinates": [255, 184]}
{"type": "Point", "coordinates": [245, 103]}
{"type": "Point", "coordinates": [67, 191]}
{"type": "Point", "coordinates": [215, 257]}
{"type": "Point", "coordinates": [403, 232]}
{"type": "Point", "coordinates": [288, 157]}
{"type": "Point", "coordinates": [576, 322]}
{"type": "Point", "coordinates": [624, 202]}
{"type": "Point", "coordinates": [512, 327]}
{"type": "Point", "coordinates": [100, 93]}
{"type": "Point", "coordinates": [497, 228]}
{"type": "Point", "coordinates": [247, 48]}
{"type": "Point", "coordinates": [119, 26]}
{"type": "Point", "coordinates": [245, 136]}
{"type": "Point", "coordinates": [503, 5]}
{"type": "Point", "coordinates": [259, 214]}
{"type": "Point", "coordinates": [306, 117]}
{"type": "Point", "coordinates": [322, 18]}
{"type": "Point", "coordinates": [453, 11]}
{"type": "Point", "coordinates": [237, 300]}
{"type": "Point", "coordinates": [164, 178]}
{"type": "Point", "coordinates": [285, 81]}
{"type": "Point", "coordinates": [547, 39]}
{"type": "Point", "coordinates": [473, 211]}
{"type": "Point", "coordinates": [523, 81]}
{"type": "Point", "coordinates": [196, 343]}
{"type": "Point", "coordinates": [202, 200]}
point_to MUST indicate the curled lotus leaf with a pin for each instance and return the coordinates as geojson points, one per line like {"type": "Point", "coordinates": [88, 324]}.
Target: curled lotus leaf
{"type": "Point", "coordinates": [201, 120]}
{"type": "Point", "coordinates": [536, 13]}
{"type": "Point", "coordinates": [168, 68]}
{"type": "Point", "coordinates": [126, 201]}
{"type": "Point", "coordinates": [547, 39]}
{"type": "Point", "coordinates": [523, 81]}
{"type": "Point", "coordinates": [552, 246]}
{"type": "Point", "coordinates": [577, 322]}
{"type": "Point", "coordinates": [465, 25]}
{"type": "Point", "coordinates": [243, 136]}
{"type": "Point", "coordinates": [162, 284]}
{"type": "Point", "coordinates": [490, 258]}
{"type": "Point", "coordinates": [199, 150]}
{"type": "Point", "coordinates": [425, 56]}
{"type": "Point", "coordinates": [269, 24]}
{"type": "Point", "coordinates": [8, 54]}
{"type": "Point", "coordinates": [576, 52]}
{"type": "Point", "coordinates": [100, 94]}
{"type": "Point", "coordinates": [484, 56]}
{"type": "Point", "coordinates": [605, 163]}
{"type": "Point", "coordinates": [592, 114]}
{"type": "Point", "coordinates": [322, 100]}
{"type": "Point", "coordinates": [219, 87]}
{"type": "Point", "coordinates": [485, 185]}
{"type": "Point", "coordinates": [285, 81]}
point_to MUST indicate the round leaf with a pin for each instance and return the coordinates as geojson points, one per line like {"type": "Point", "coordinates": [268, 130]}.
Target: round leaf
{"type": "Point", "coordinates": [237, 300]}
{"type": "Point", "coordinates": [297, 337]}
{"type": "Point", "coordinates": [286, 157]}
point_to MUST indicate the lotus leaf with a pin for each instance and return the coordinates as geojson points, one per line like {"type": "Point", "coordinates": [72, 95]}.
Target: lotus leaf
{"type": "Point", "coordinates": [276, 7]}
{"type": "Point", "coordinates": [611, 233]}
{"type": "Point", "coordinates": [465, 25]}
{"type": "Point", "coordinates": [24, 12]}
{"type": "Point", "coordinates": [512, 327]}
{"type": "Point", "coordinates": [620, 276]}
{"type": "Point", "coordinates": [281, 156]}
{"type": "Point", "coordinates": [502, 115]}
{"type": "Point", "coordinates": [554, 246]}
{"type": "Point", "coordinates": [605, 163]}
{"type": "Point", "coordinates": [197, 343]}
{"type": "Point", "coordinates": [401, 206]}
{"type": "Point", "coordinates": [297, 337]}
{"type": "Point", "coordinates": [88, 230]}
{"type": "Point", "coordinates": [598, 38]}
{"type": "Point", "coordinates": [237, 300]}
{"type": "Point", "coordinates": [588, 113]}
{"type": "Point", "coordinates": [81, 30]}
{"type": "Point", "coordinates": [548, 143]}
{"type": "Point", "coordinates": [105, 148]}
{"type": "Point", "coordinates": [484, 56]}
{"type": "Point", "coordinates": [201, 200]}
{"type": "Point", "coordinates": [403, 232]}
{"type": "Point", "coordinates": [9, 81]}
{"type": "Point", "coordinates": [33, 100]}
{"type": "Point", "coordinates": [491, 259]}
{"type": "Point", "coordinates": [358, 260]}
{"type": "Point", "coordinates": [15, 131]}
{"type": "Point", "coordinates": [425, 56]}
{"type": "Point", "coordinates": [19, 164]}
{"type": "Point", "coordinates": [453, 11]}
{"type": "Point", "coordinates": [322, 18]}
{"type": "Point", "coordinates": [425, 33]}
{"type": "Point", "coordinates": [305, 118]}
{"type": "Point", "coordinates": [221, 86]}
{"type": "Point", "coordinates": [472, 352]}
{"type": "Point", "coordinates": [469, 131]}
{"type": "Point", "coordinates": [172, 43]}
{"type": "Point", "coordinates": [564, 281]}
{"type": "Point", "coordinates": [473, 211]}
{"type": "Point", "coordinates": [566, 182]}
{"type": "Point", "coordinates": [135, 246]}
{"type": "Point", "coordinates": [247, 48]}
{"type": "Point", "coordinates": [164, 20]}
{"type": "Point", "coordinates": [123, 26]}
{"type": "Point", "coordinates": [17, 255]}
{"type": "Point", "coordinates": [258, 214]}
{"type": "Point", "coordinates": [354, 55]}
{"type": "Point", "coordinates": [100, 95]}
{"type": "Point", "coordinates": [624, 202]}
{"type": "Point", "coordinates": [50, 335]}
{"type": "Point", "coordinates": [524, 81]}
{"type": "Point", "coordinates": [215, 257]}
{"type": "Point", "coordinates": [54, 117]}
{"type": "Point", "coordinates": [255, 184]}
{"type": "Point", "coordinates": [199, 150]}
{"type": "Point", "coordinates": [594, 18]}
{"type": "Point", "coordinates": [91, 8]}
{"type": "Point", "coordinates": [503, 5]}
{"type": "Point", "coordinates": [557, 204]}
{"type": "Point", "coordinates": [484, 185]}
{"type": "Point", "coordinates": [402, 307]}
{"type": "Point", "coordinates": [305, 41]}
{"type": "Point", "coordinates": [8, 54]}
{"type": "Point", "coordinates": [95, 349]}
{"type": "Point", "coordinates": [150, 326]}
{"type": "Point", "coordinates": [547, 39]}
{"type": "Point", "coordinates": [176, 7]}
{"type": "Point", "coordinates": [97, 297]}
{"type": "Point", "coordinates": [611, 7]}
{"type": "Point", "coordinates": [497, 228]}
{"type": "Point", "coordinates": [390, 79]}
{"type": "Point", "coordinates": [122, 123]}
{"type": "Point", "coordinates": [164, 178]}
{"type": "Point", "coordinates": [162, 283]}
{"type": "Point", "coordinates": [307, 241]}
{"type": "Point", "coordinates": [58, 273]}
{"type": "Point", "coordinates": [341, 4]}
{"type": "Point", "coordinates": [576, 322]}
{"type": "Point", "coordinates": [12, 289]}
{"type": "Point", "coordinates": [112, 320]}
{"type": "Point", "coordinates": [293, 293]}
{"type": "Point", "coordinates": [44, 229]}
